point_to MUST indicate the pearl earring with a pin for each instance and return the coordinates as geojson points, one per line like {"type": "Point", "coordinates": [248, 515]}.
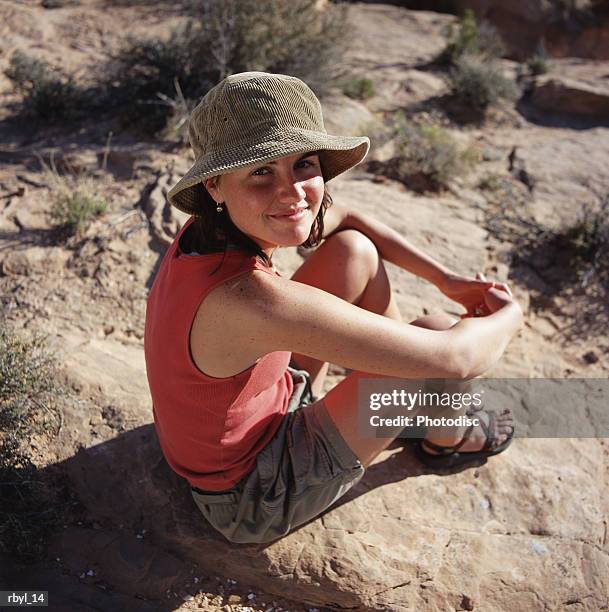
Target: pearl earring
{"type": "Point", "coordinates": [219, 207]}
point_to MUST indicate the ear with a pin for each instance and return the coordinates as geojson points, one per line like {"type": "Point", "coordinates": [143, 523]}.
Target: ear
{"type": "Point", "coordinates": [211, 184]}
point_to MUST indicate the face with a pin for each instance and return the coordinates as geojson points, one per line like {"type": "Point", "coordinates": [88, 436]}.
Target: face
{"type": "Point", "coordinates": [274, 203]}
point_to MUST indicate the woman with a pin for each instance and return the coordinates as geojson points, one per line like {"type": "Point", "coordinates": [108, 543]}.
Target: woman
{"type": "Point", "coordinates": [236, 354]}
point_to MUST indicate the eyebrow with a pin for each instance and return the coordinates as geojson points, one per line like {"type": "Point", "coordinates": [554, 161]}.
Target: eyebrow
{"type": "Point", "coordinates": [310, 154]}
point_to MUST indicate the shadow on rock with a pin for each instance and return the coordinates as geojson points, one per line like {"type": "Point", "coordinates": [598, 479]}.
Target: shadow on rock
{"type": "Point", "coordinates": [143, 535]}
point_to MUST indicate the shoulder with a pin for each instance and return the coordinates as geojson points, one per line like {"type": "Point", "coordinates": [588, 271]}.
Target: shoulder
{"type": "Point", "coordinates": [252, 289]}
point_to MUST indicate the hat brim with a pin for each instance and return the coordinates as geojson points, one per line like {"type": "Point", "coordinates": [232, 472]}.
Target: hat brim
{"type": "Point", "coordinates": [338, 154]}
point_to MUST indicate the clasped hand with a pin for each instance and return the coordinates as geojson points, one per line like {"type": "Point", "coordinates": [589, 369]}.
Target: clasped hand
{"type": "Point", "coordinates": [479, 296]}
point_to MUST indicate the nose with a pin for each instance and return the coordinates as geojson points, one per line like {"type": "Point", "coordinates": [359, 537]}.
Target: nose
{"type": "Point", "coordinates": [291, 190]}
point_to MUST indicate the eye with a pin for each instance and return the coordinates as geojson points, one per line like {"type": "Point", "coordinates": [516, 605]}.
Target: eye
{"type": "Point", "coordinates": [255, 173]}
{"type": "Point", "coordinates": [307, 161]}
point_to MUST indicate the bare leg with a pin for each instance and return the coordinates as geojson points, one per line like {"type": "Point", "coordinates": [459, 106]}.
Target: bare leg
{"type": "Point", "coordinates": [342, 405]}
{"type": "Point", "coordinates": [347, 265]}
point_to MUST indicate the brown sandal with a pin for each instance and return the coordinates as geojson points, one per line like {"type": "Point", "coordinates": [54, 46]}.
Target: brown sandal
{"type": "Point", "coordinates": [449, 455]}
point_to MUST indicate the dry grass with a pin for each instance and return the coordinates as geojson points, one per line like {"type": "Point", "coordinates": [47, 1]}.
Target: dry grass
{"type": "Point", "coordinates": [30, 407]}
{"type": "Point", "coordinates": [479, 84]}
{"type": "Point", "coordinates": [48, 96]}
{"type": "Point", "coordinates": [471, 38]}
{"type": "Point", "coordinates": [219, 38]}
{"type": "Point", "coordinates": [76, 199]}
{"type": "Point", "coordinates": [427, 157]}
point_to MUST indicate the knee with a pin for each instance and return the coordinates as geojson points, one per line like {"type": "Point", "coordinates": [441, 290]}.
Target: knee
{"type": "Point", "coordinates": [438, 321]}
{"type": "Point", "coordinates": [351, 245]}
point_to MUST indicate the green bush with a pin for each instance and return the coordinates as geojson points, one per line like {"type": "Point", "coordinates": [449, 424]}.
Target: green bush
{"type": "Point", "coordinates": [537, 64]}
{"type": "Point", "coordinates": [490, 182]}
{"type": "Point", "coordinates": [479, 84]}
{"type": "Point", "coordinates": [29, 406]}
{"type": "Point", "coordinates": [587, 239]}
{"type": "Point", "coordinates": [72, 210]}
{"type": "Point", "coordinates": [142, 76]}
{"type": "Point", "coordinates": [75, 200]}
{"type": "Point", "coordinates": [223, 37]}
{"type": "Point", "coordinates": [427, 157]}
{"type": "Point", "coordinates": [48, 96]}
{"type": "Point", "coordinates": [359, 88]}
{"type": "Point", "coordinates": [469, 38]}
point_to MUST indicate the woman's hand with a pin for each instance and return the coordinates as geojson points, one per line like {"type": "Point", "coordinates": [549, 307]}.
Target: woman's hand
{"type": "Point", "coordinates": [473, 293]}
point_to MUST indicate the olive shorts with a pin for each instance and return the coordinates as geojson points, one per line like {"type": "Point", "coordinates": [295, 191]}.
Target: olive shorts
{"type": "Point", "coordinates": [303, 470]}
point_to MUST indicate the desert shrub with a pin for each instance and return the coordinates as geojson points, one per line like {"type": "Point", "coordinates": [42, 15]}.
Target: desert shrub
{"type": "Point", "coordinates": [490, 182]}
{"type": "Point", "coordinates": [222, 37]}
{"type": "Point", "coordinates": [578, 10]}
{"type": "Point", "coordinates": [74, 207]}
{"type": "Point", "coordinates": [479, 84]}
{"type": "Point", "coordinates": [570, 255]}
{"type": "Point", "coordinates": [47, 95]}
{"type": "Point", "coordinates": [75, 200]}
{"type": "Point", "coordinates": [427, 156]}
{"type": "Point", "coordinates": [359, 88]}
{"type": "Point", "coordinates": [176, 126]}
{"type": "Point", "coordinates": [537, 64]}
{"type": "Point", "coordinates": [585, 242]}
{"type": "Point", "coordinates": [29, 406]}
{"type": "Point", "coordinates": [469, 38]}
{"type": "Point", "coordinates": [142, 76]}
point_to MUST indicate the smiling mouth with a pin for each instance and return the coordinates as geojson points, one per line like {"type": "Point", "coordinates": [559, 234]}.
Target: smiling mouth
{"type": "Point", "coordinates": [294, 215]}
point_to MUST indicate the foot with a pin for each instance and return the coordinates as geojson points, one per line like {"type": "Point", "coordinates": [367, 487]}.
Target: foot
{"type": "Point", "coordinates": [501, 428]}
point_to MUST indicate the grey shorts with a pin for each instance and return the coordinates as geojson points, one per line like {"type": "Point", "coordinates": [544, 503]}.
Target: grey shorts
{"type": "Point", "coordinates": [303, 470]}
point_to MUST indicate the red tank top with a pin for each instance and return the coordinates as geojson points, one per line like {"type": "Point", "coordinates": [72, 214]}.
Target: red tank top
{"type": "Point", "coordinates": [210, 429]}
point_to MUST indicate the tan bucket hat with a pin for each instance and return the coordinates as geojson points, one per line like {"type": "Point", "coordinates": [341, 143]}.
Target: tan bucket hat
{"type": "Point", "coordinates": [252, 117]}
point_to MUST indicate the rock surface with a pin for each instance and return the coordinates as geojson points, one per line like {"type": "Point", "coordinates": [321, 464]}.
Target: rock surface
{"type": "Point", "coordinates": [507, 534]}
{"type": "Point", "coordinates": [574, 29]}
{"type": "Point", "coordinates": [587, 95]}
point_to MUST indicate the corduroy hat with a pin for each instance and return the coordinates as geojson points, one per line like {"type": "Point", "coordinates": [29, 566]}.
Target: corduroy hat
{"type": "Point", "coordinates": [253, 117]}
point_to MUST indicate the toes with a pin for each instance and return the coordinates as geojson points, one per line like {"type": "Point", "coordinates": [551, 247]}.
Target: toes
{"type": "Point", "coordinates": [505, 426]}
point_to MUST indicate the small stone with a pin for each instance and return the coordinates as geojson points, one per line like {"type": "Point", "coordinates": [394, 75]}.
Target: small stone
{"type": "Point", "coordinates": [590, 357]}
{"type": "Point", "coordinates": [539, 548]}
{"type": "Point", "coordinates": [187, 597]}
{"type": "Point", "coordinates": [467, 603]}
{"type": "Point", "coordinates": [90, 573]}
{"type": "Point", "coordinates": [252, 596]}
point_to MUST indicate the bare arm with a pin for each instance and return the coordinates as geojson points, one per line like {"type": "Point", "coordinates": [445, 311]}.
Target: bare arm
{"type": "Point", "coordinates": [487, 337]}
{"type": "Point", "coordinates": [269, 314]}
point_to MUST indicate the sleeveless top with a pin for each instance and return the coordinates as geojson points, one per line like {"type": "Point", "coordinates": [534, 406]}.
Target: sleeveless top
{"type": "Point", "coordinates": [210, 429]}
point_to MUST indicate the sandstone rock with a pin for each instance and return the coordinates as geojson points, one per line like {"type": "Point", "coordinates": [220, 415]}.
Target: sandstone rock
{"type": "Point", "coordinates": [525, 25]}
{"type": "Point", "coordinates": [510, 524]}
{"type": "Point", "coordinates": [165, 219]}
{"type": "Point", "coordinates": [382, 52]}
{"type": "Point", "coordinates": [589, 39]}
{"type": "Point", "coordinates": [16, 264]}
{"type": "Point", "coordinates": [27, 219]}
{"type": "Point", "coordinates": [34, 260]}
{"type": "Point", "coordinates": [563, 95]}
